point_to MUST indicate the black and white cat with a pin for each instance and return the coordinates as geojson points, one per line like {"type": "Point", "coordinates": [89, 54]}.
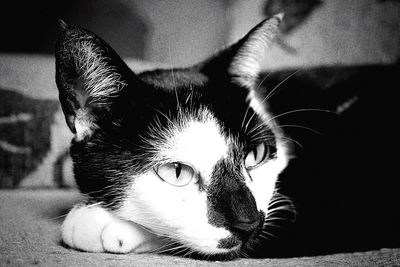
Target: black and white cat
{"type": "Point", "coordinates": [184, 160]}
{"type": "Point", "coordinates": [185, 155]}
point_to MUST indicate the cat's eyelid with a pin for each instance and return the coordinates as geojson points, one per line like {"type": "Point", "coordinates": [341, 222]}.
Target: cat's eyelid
{"type": "Point", "coordinates": [196, 172]}
{"type": "Point", "coordinates": [171, 173]}
{"type": "Point", "coordinates": [177, 162]}
{"type": "Point", "coordinates": [269, 153]}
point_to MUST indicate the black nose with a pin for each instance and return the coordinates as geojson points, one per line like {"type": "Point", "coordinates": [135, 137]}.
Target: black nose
{"type": "Point", "coordinates": [245, 228]}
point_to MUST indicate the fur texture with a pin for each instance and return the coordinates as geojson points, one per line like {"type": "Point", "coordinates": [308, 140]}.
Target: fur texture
{"type": "Point", "coordinates": [206, 160]}
{"type": "Point", "coordinates": [130, 127]}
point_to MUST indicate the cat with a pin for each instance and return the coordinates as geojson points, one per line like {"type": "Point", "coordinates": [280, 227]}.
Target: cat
{"type": "Point", "coordinates": [214, 159]}
{"type": "Point", "coordinates": [158, 156]}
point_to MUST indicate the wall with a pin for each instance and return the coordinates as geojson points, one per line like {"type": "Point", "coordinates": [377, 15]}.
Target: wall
{"type": "Point", "coordinates": [179, 33]}
{"type": "Point", "coordinates": [339, 32]}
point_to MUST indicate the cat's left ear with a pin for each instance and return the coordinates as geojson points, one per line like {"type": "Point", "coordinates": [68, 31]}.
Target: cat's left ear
{"type": "Point", "coordinates": [241, 62]}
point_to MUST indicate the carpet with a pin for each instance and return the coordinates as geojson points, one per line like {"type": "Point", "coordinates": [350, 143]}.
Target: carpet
{"type": "Point", "coordinates": [30, 235]}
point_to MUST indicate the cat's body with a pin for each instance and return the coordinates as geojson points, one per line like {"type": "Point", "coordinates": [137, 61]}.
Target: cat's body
{"type": "Point", "coordinates": [188, 160]}
{"type": "Point", "coordinates": [343, 177]}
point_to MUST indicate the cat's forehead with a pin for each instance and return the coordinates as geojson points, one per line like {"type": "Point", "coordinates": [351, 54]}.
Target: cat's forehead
{"type": "Point", "coordinates": [170, 79]}
{"type": "Point", "coordinates": [199, 142]}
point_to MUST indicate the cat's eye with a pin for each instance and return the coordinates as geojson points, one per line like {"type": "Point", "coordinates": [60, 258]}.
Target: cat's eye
{"type": "Point", "coordinates": [175, 173]}
{"type": "Point", "coordinates": [257, 156]}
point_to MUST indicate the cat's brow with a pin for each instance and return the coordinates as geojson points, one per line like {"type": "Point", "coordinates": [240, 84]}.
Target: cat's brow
{"type": "Point", "coordinates": [199, 143]}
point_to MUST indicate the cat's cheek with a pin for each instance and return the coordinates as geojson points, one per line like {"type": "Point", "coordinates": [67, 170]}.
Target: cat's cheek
{"type": "Point", "coordinates": [177, 212]}
{"type": "Point", "coordinates": [263, 180]}
{"type": "Point", "coordinates": [262, 186]}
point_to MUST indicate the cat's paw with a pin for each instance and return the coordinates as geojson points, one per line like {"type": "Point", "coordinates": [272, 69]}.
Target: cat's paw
{"type": "Point", "coordinates": [124, 237]}
{"type": "Point", "coordinates": [94, 229]}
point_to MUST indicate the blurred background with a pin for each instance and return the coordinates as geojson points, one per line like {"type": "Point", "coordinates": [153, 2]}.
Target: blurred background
{"type": "Point", "coordinates": [34, 138]}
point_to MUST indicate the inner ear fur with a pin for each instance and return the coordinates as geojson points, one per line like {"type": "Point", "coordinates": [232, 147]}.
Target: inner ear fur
{"type": "Point", "coordinates": [89, 74]}
{"type": "Point", "coordinates": [241, 62]}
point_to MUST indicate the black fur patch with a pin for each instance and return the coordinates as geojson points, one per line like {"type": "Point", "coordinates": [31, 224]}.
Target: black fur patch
{"type": "Point", "coordinates": [120, 145]}
{"type": "Point", "coordinates": [230, 202]}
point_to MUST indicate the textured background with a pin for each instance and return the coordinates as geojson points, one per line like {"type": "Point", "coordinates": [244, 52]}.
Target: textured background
{"type": "Point", "coordinates": [30, 222]}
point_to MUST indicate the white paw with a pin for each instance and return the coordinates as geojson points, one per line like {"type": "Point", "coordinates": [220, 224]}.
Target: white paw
{"type": "Point", "coordinates": [124, 237]}
{"type": "Point", "coordinates": [94, 229]}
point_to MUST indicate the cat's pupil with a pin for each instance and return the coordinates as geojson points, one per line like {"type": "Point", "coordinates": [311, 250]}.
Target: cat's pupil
{"type": "Point", "coordinates": [177, 174]}
{"type": "Point", "coordinates": [257, 156]}
{"type": "Point", "coordinates": [178, 169]}
{"type": "Point", "coordinates": [255, 153]}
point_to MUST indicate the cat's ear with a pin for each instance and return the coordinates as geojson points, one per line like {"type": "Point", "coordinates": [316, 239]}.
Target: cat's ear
{"type": "Point", "coordinates": [89, 75]}
{"type": "Point", "coordinates": [242, 60]}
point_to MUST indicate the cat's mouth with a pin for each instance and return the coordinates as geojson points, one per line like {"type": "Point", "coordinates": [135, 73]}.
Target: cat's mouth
{"type": "Point", "coordinates": [232, 246]}
{"type": "Point", "coordinates": [243, 233]}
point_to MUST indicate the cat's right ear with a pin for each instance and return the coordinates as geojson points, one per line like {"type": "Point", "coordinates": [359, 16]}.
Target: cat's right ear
{"type": "Point", "coordinates": [89, 75]}
{"type": "Point", "coordinates": [241, 62]}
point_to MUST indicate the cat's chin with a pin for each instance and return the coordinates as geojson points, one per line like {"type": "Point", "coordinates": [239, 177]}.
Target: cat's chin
{"type": "Point", "coordinates": [227, 249]}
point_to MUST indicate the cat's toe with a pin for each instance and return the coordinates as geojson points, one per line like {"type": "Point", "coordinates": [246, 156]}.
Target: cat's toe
{"type": "Point", "coordinates": [94, 229]}
{"type": "Point", "coordinates": [123, 237]}
{"type": "Point", "coordinates": [119, 237]}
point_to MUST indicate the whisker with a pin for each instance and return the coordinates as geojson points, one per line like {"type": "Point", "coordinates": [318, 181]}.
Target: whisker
{"type": "Point", "coordinates": [276, 226]}
{"type": "Point", "coordinates": [262, 135]}
{"type": "Point", "coordinates": [277, 201]}
{"type": "Point", "coordinates": [299, 126]}
{"type": "Point", "coordinates": [161, 248]}
{"type": "Point", "coordinates": [292, 140]}
{"type": "Point", "coordinates": [274, 219]}
{"type": "Point", "coordinates": [268, 96]}
{"type": "Point", "coordinates": [169, 247]}
{"type": "Point", "coordinates": [266, 235]}
{"type": "Point", "coordinates": [243, 254]}
{"type": "Point", "coordinates": [279, 205]}
{"type": "Point", "coordinates": [188, 253]}
{"type": "Point", "coordinates": [254, 243]}
{"type": "Point", "coordinates": [301, 110]}
{"type": "Point", "coordinates": [256, 128]}
{"type": "Point", "coordinates": [273, 91]}
{"type": "Point", "coordinates": [58, 217]}
{"type": "Point", "coordinates": [266, 137]}
{"type": "Point", "coordinates": [164, 115]}
{"type": "Point", "coordinates": [180, 251]}
{"type": "Point", "coordinates": [248, 107]}
{"type": "Point", "coordinates": [166, 251]}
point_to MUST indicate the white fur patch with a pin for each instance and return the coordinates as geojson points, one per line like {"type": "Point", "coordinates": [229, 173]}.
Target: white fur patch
{"type": "Point", "coordinates": [263, 179]}
{"type": "Point", "coordinates": [193, 139]}
{"type": "Point", "coordinates": [84, 124]}
{"type": "Point", "coordinates": [176, 212]}
{"type": "Point", "coordinates": [199, 144]}
{"type": "Point", "coordinates": [94, 229]}
{"type": "Point", "coordinates": [181, 212]}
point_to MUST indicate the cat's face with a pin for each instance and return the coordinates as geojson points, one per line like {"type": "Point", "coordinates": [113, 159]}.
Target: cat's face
{"type": "Point", "coordinates": [191, 154]}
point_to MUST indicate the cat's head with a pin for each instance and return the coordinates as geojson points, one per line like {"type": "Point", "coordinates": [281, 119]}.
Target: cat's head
{"type": "Point", "coordinates": [192, 154]}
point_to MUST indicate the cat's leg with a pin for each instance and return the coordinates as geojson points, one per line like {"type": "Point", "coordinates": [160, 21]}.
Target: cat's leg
{"type": "Point", "coordinates": [94, 229]}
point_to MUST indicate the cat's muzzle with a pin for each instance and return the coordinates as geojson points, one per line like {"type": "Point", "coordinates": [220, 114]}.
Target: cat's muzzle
{"type": "Point", "coordinates": [243, 231]}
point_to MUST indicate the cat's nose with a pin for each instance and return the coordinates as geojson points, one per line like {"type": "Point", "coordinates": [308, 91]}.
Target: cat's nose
{"type": "Point", "coordinates": [246, 228]}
